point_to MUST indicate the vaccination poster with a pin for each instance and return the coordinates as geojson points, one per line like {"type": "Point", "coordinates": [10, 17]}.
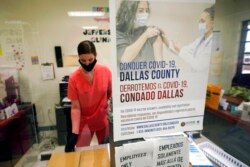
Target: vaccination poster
{"type": "Point", "coordinates": [160, 62]}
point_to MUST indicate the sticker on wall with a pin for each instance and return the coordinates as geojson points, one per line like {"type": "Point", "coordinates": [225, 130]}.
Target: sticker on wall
{"type": "Point", "coordinates": [98, 35]}
{"type": "Point", "coordinates": [34, 60]}
{"type": "Point", "coordinates": [70, 60]}
{"type": "Point", "coordinates": [1, 50]}
{"type": "Point", "coordinates": [18, 56]}
{"type": "Point", "coordinates": [13, 45]}
{"type": "Point", "coordinates": [101, 9]}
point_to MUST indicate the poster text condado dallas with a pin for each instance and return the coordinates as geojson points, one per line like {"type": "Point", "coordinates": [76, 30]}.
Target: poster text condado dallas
{"type": "Point", "coordinates": [152, 70]}
{"type": "Point", "coordinates": [160, 63]}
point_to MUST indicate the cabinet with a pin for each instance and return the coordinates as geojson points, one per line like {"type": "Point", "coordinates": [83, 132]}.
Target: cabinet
{"type": "Point", "coordinates": [63, 123]}
{"type": "Point", "coordinates": [18, 133]}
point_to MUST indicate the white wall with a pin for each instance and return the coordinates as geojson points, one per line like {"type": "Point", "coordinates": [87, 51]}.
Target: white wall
{"type": "Point", "coordinates": [229, 15]}
{"type": "Point", "coordinates": [45, 24]}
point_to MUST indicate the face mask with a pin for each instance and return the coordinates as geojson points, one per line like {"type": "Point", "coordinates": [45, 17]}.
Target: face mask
{"type": "Point", "coordinates": [141, 19]}
{"type": "Point", "coordinates": [88, 67]}
{"type": "Point", "coordinates": [202, 28]}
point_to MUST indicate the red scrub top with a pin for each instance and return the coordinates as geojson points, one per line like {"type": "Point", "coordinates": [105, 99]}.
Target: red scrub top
{"type": "Point", "coordinates": [92, 97]}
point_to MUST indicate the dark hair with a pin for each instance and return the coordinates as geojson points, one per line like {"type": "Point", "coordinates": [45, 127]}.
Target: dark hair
{"type": "Point", "coordinates": [126, 15]}
{"type": "Point", "coordinates": [210, 11]}
{"type": "Point", "coordinates": [86, 47]}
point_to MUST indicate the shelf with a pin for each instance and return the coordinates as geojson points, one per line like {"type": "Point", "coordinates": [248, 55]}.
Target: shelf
{"type": "Point", "coordinates": [20, 113]}
{"type": "Point", "coordinates": [233, 100]}
{"type": "Point", "coordinates": [229, 117]}
{"type": "Point", "coordinates": [17, 134]}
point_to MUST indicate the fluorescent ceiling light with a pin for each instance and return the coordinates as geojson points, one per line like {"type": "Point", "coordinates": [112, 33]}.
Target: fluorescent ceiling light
{"type": "Point", "coordinates": [85, 14]}
{"type": "Point", "coordinates": [89, 27]}
{"type": "Point", "coordinates": [15, 22]}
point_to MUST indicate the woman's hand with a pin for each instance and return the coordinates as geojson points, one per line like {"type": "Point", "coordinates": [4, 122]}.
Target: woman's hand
{"type": "Point", "coordinates": [70, 146]}
{"type": "Point", "coordinates": [176, 46]}
{"type": "Point", "coordinates": [152, 31]}
{"type": "Point", "coordinates": [164, 38]}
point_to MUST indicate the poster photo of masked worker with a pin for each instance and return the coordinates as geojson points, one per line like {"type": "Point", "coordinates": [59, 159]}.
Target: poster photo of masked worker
{"type": "Point", "coordinates": [197, 54]}
{"type": "Point", "coordinates": [89, 89]}
{"type": "Point", "coordinates": [136, 40]}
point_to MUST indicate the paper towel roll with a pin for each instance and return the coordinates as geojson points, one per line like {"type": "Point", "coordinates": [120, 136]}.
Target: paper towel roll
{"type": "Point", "coordinates": [245, 116]}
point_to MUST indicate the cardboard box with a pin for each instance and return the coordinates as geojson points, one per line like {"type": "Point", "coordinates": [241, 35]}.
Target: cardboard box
{"type": "Point", "coordinates": [95, 158]}
{"type": "Point", "coordinates": [98, 157]}
{"type": "Point", "coordinates": [62, 159]}
{"type": "Point", "coordinates": [213, 96]}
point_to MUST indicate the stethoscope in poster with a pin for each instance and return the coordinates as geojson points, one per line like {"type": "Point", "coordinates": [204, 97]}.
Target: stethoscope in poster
{"type": "Point", "coordinates": [161, 55]}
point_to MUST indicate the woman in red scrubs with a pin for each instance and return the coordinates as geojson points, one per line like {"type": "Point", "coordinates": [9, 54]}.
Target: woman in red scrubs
{"type": "Point", "coordinates": [89, 89]}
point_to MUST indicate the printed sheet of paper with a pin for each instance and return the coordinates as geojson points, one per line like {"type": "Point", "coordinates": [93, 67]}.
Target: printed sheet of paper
{"type": "Point", "coordinates": [134, 155]}
{"type": "Point", "coordinates": [171, 151]}
{"type": "Point", "coordinates": [154, 152]}
{"type": "Point", "coordinates": [47, 71]}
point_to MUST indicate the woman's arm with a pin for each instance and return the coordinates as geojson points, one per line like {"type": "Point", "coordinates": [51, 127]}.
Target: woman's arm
{"type": "Point", "coordinates": [158, 44]}
{"type": "Point", "coordinates": [133, 50]}
{"type": "Point", "coordinates": [75, 116]}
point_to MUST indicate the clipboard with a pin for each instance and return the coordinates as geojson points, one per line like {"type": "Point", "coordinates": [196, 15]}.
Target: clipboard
{"type": "Point", "coordinates": [47, 70]}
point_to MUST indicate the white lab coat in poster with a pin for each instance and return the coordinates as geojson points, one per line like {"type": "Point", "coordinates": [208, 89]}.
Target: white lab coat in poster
{"type": "Point", "coordinates": [197, 54]}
